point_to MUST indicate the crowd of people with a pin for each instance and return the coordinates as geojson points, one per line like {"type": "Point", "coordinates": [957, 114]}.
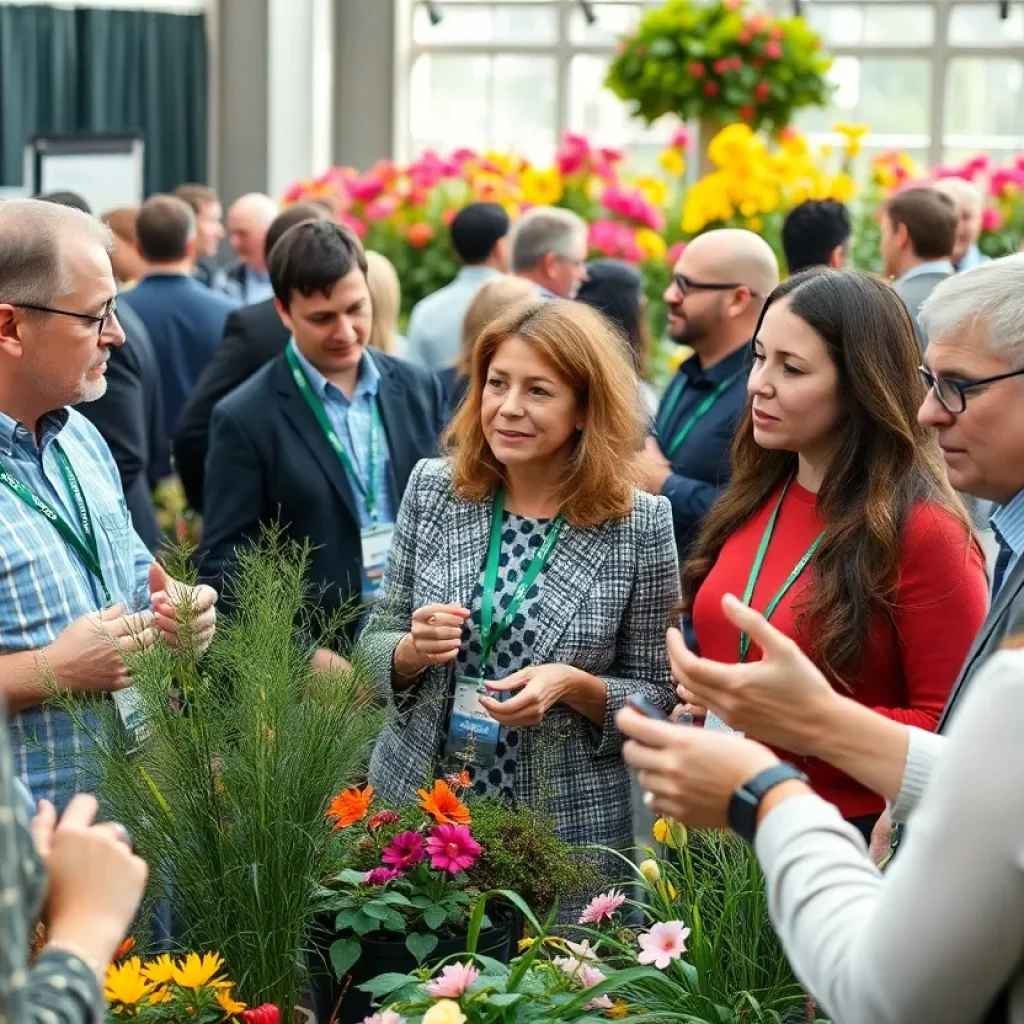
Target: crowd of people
{"type": "Point", "coordinates": [779, 557]}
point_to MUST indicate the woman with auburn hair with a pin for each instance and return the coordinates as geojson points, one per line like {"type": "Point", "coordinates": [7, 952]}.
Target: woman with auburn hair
{"type": "Point", "coordinates": [839, 523]}
{"type": "Point", "coordinates": [529, 583]}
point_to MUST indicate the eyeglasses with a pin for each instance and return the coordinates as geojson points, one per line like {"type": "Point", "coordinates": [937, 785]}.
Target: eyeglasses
{"type": "Point", "coordinates": [952, 394]}
{"type": "Point", "coordinates": [101, 319]}
{"type": "Point", "coordinates": [688, 284]}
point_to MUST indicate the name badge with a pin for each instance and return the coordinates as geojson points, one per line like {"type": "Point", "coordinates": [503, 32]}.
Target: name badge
{"type": "Point", "coordinates": [472, 732]}
{"type": "Point", "coordinates": [129, 707]}
{"type": "Point", "coordinates": [376, 543]}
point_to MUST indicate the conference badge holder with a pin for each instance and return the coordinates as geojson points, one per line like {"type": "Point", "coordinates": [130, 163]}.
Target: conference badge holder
{"type": "Point", "coordinates": [472, 733]}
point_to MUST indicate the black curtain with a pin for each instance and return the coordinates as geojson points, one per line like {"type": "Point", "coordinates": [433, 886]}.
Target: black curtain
{"type": "Point", "coordinates": [85, 70]}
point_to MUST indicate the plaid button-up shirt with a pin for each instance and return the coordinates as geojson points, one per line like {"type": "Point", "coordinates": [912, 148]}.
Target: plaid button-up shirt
{"type": "Point", "coordinates": [44, 585]}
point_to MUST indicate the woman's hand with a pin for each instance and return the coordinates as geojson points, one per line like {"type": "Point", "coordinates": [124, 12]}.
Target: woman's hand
{"type": "Point", "coordinates": [539, 687]}
{"type": "Point", "coordinates": [691, 773]}
{"type": "Point", "coordinates": [781, 699]}
{"type": "Point", "coordinates": [435, 639]}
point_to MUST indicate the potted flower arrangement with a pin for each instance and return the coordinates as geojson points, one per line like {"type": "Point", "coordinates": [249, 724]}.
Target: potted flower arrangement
{"type": "Point", "coordinates": [409, 877]}
{"type": "Point", "coordinates": [720, 62]}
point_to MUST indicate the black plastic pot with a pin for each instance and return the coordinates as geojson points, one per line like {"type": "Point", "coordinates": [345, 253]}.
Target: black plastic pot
{"type": "Point", "coordinates": [383, 956]}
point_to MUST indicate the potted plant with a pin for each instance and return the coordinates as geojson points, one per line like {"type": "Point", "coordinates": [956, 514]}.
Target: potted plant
{"type": "Point", "coordinates": [241, 751]}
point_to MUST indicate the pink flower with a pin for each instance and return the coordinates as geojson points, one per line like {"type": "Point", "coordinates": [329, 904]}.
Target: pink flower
{"type": "Point", "coordinates": [380, 209]}
{"type": "Point", "coordinates": [382, 819]}
{"type": "Point", "coordinates": [603, 907]}
{"type": "Point", "coordinates": [600, 1003]}
{"type": "Point", "coordinates": [721, 66]}
{"type": "Point", "coordinates": [385, 1017]}
{"type": "Point", "coordinates": [365, 190]}
{"type": "Point", "coordinates": [773, 50]}
{"type": "Point", "coordinates": [268, 1013]}
{"type": "Point", "coordinates": [581, 950]}
{"type": "Point", "coordinates": [681, 138]}
{"type": "Point", "coordinates": [381, 876]}
{"type": "Point", "coordinates": [665, 942]}
{"type": "Point", "coordinates": [452, 848]}
{"type": "Point", "coordinates": [357, 225]}
{"type": "Point", "coordinates": [588, 975]}
{"type": "Point", "coordinates": [991, 219]}
{"type": "Point", "coordinates": [674, 252]}
{"type": "Point", "coordinates": [453, 981]}
{"type": "Point", "coordinates": [407, 850]}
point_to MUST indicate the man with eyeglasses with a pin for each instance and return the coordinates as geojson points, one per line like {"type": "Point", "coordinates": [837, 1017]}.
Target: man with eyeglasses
{"type": "Point", "coordinates": [718, 288]}
{"type": "Point", "coordinates": [549, 248]}
{"type": "Point", "coordinates": [77, 585]}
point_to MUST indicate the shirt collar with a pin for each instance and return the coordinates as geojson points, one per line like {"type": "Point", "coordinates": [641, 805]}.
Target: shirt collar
{"type": "Point", "coordinates": [475, 274]}
{"type": "Point", "coordinates": [1008, 522]}
{"type": "Point", "coordinates": [722, 370]}
{"type": "Point", "coordinates": [12, 432]}
{"type": "Point", "coordinates": [931, 267]}
{"type": "Point", "coordinates": [367, 383]}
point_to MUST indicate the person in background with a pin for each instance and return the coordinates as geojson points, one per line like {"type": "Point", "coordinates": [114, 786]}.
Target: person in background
{"type": "Point", "coordinates": [79, 587]}
{"type": "Point", "coordinates": [616, 289]}
{"type": "Point", "coordinates": [549, 248]}
{"type": "Point", "coordinates": [209, 214]}
{"type": "Point", "coordinates": [491, 298]}
{"type": "Point", "coordinates": [185, 320]}
{"type": "Point", "coordinates": [533, 513]}
{"type": "Point", "coordinates": [919, 227]}
{"type": "Point", "coordinates": [323, 439]}
{"type": "Point", "coordinates": [817, 234]}
{"type": "Point", "coordinates": [479, 234]}
{"type": "Point", "coordinates": [129, 417]}
{"type": "Point", "coordinates": [386, 299]}
{"type": "Point", "coordinates": [253, 335]}
{"type": "Point", "coordinates": [839, 520]}
{"type": "Point", "coordinates": [969, 204]}
{"type": "Point", "coordinates": [249, 218]}
{"type": "Point", "coordinates": [718, 287]}
{"type": "Point", "coordinates": [124, 257]}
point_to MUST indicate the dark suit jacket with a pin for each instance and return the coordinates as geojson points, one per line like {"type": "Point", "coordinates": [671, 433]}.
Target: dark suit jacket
{"type": "Point", "coordinates": [270, 461]}
{"type": "Point", "coordinates": [253, 335]}
{"type": "Point", "coordinates": [130, 419]}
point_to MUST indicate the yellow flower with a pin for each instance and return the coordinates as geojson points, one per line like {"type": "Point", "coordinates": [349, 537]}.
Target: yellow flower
{"type": "Point", "coordinates": [670, 833]}
{"type": "Point", "coordinates": [444, 1011]}
{"type": "Point", "coordinates": [669, 891]}
{"type": "Point", "coordinates": [161, 970]}
{"type": "Point", "coordinates": [619, 1010]}
{"type": "Point", "coordinates": [126, 983]}
{"type": "Point", "coordinates": [651, 244]}
{"type": "Point", "coordinates": [230, 1006]}
{"type": "Point", "coordinates": [754, 224]}
{"type": "Point", "coordinates": [541, 188]}
{"type": "Point", "coordinates": [524, 944]}
{"type": "Point", "coordinates": [160, 995]}
{"type": "Point", "coordinates": [851, 131]}
{"type": "Point", "coordinates": [654, 190]}
{"type": "Point", "coordinates": [199, 971]}
{"type": "Point", "coordinates": [650, 870]}
{"type": "Point", "coordinates": [843, 188]}
{"type": "Point", "coordinates": [672, 162]}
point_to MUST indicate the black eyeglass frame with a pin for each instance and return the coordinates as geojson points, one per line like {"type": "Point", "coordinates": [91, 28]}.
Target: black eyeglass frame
{"type": "Point", "coordinates": [101, 319]}
{"type": "Point", "coordinates": [961, 387]}
{"type": "Point", "coordinates": [687, 284]}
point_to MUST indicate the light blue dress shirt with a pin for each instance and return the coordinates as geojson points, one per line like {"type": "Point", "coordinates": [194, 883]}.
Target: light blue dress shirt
{"type": "Point", "coordinates": [435, 324]}
{"type": "Point", "coordinates": [44, 586]}
{"type": "Point", "coordinates": [1008, 522]}
{"type": "Point", "coordinates": [931, 267]}
{"type": "Point", "coordinates": [974, 257]}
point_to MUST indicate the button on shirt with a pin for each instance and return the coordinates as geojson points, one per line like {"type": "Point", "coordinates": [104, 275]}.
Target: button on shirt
{"type": "Point", "coordinates": [1008, 524]}
{"type": "Point", "coordinates": [700, 466]}
{"type": "Point", "coordinates": [352, 422]}
{"type": "Point", "coordinates": [44, 585]}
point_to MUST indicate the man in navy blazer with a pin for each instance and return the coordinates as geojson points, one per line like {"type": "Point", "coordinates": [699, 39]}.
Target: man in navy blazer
{"type": "Point", "coordinates": [323, 438]}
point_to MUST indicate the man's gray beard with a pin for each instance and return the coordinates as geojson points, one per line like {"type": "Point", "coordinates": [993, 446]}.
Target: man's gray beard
{"type": "Point", "coordinates": [92, 390]}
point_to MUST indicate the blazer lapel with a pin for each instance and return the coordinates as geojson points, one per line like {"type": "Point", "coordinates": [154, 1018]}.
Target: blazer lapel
{"type": "Point", "coordinates": [392, 403]}
{"type": "Point", "coordinates": [301, 417]}
{"type": "Point", "coordinates": [1010, 591]}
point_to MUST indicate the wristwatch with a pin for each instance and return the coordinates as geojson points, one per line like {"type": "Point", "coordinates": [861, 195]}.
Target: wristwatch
{"type": "Point", "coordinates": [746, 800]}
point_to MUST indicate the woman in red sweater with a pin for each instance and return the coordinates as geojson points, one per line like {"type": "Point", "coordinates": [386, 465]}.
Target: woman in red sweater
{"type": "Point", "coordinates": [839, 523]}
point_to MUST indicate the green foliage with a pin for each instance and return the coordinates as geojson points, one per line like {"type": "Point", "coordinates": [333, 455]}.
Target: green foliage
{"type": "Point", "coordinates": [720, 62]}
{"type": "Point", "coordinates": [225, 798]}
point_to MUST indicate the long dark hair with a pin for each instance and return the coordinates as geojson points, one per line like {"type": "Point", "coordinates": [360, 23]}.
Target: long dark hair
{"type": "Point", "coordinates": [616, 289]}
{"type": "Point", "coordinates": [885, 463]}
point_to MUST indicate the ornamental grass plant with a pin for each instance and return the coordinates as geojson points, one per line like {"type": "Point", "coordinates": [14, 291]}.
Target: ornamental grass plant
{"type": "Point", "coordinates": [225, 791]}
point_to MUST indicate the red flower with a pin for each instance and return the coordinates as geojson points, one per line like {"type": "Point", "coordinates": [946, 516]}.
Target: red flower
{"type": "Point", "coordinates": [762, 91]}
{"type": "Point", "coordinates": [419, 234]}
{"type": "Point", "coordinates": [746, 112]}
{"type": "Point", "coordinates": [721, 66]}
{"type": "Point", "coordinates": [744, 38]}
{"type": "Point", "coordinates": [382, 819]}
{"type": "Point", "coordinates": [758, 62]}
{"type": "Point", "coordinates": [265, 1014]}
{"type": "Point", "coordinates": [772, 50]}
{"type": "Point", "coordinates": [696, 69]}
{"type": "Point", "coordinates": [710, 89]}
{"type": "Point", "coordinates": [776, 32]}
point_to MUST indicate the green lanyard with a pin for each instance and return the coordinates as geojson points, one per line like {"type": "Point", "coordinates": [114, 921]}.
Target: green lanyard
{"type": "Point", "coordinates": [684, 431]}
{"type": "Point", "coordinates": [491, 633]}
{"type": "Point", "coordinates": [84, 546]}
{"type": "Point", "coordinates": [369, 489]}
{"type": "Point", "coordinates": [766, 539]}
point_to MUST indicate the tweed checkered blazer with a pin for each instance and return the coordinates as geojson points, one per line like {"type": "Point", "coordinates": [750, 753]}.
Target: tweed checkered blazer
{"type": "Point", "coordinates": [604, 606]}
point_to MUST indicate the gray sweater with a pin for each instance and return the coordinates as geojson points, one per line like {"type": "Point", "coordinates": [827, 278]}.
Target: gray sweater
{"type": "Point", "coordinates": [936, 938]}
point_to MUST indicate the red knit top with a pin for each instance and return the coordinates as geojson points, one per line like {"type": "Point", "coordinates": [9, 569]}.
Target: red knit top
{"type": "Point", "coordinates": [909, 665]}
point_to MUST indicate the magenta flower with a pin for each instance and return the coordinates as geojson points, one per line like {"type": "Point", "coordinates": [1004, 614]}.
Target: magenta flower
{"type": "Point", "coordinates": [665, 942]}
{"type": "Point", "coordinates": [603, 907]}
{"type": "Point", "coordinates": [407, 850]}
{"type": "Point", "coordinates": [452, 848]}
{"type": "Point", "coordinates": [381, 876]}
{"type": "Point", "coordinates": [453, 981]}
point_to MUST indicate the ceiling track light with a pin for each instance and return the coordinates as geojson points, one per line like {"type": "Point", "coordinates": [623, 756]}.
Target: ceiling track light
{"type": "Point", "coordinates": [1004, 10]}
{"type": "Point", "coordinates": [589, 12]}
{"type": "Point", "coordinates": [434, 12]}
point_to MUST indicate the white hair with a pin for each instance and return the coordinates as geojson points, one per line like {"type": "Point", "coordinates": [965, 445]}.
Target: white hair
{"type": "Point", "coordinates": [988, 298]}
{"type": "Point", "coordinates": [542, 230]}
{"type": "Point", "coordinates": [963, 192]}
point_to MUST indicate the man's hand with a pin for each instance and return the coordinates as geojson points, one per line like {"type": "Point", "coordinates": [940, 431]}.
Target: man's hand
{"type": "Point", "coordinates": [654, 467]}
{"type": "Point", "coordinates": [174, 602]}
{"type": "Point", "coordinates": [87, 656]}
{"type": "Point", "coordinates": [328, 662]}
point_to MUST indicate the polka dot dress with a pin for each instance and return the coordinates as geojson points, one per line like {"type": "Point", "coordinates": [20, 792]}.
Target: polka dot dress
{"type": "Point", "coordinates": [520, 540]}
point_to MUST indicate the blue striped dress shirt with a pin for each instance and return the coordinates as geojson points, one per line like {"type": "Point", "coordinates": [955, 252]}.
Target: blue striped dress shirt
{"type": "Point", "coordinates": [1008, 523]}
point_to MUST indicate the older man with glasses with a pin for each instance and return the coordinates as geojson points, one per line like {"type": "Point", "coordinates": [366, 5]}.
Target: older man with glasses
{"type": "Point", "coordinates": [718, 288]}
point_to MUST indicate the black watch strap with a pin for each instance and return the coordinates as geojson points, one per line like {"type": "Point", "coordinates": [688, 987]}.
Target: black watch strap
{"type": "Point", "coordinates": [746, 800]}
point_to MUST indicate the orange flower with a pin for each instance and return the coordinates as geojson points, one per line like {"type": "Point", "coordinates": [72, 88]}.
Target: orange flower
{"type": "Point", "coordinates": [125, 948]}
{"type": "Point", "coordinates": [460, 781]}
{"type": "Point", "coordinates": [443, 805]}
{"type": "Point", "coordinates": [350, 806]}
{"type": "Point", "coordinates": [419, 234]}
